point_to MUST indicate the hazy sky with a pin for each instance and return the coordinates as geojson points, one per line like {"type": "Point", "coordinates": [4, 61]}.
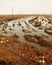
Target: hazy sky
{"type": "Point", "coordinates": [26, 6]}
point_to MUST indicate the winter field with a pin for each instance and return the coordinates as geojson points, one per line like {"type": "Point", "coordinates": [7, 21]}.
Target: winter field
{"type": "Point", "coordinates": [26, 40]}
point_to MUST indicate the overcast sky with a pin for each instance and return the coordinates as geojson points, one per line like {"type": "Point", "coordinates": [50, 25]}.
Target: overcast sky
{"type": "Point", "coordinates": [26, 6]}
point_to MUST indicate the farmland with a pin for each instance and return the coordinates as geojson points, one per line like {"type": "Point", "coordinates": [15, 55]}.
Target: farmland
{"type": "Point", "coordinates": [25, 39]}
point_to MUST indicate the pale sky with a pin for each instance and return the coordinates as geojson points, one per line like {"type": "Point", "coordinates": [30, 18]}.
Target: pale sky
{"type": "Point", "coordinates": [26, 6]}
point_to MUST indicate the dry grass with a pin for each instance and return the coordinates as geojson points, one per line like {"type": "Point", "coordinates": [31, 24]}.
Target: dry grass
{"type": "Point", "coordinates": [13, 17]}
{"type": "Point", "coordinates": [6, 18]}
